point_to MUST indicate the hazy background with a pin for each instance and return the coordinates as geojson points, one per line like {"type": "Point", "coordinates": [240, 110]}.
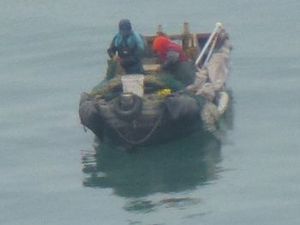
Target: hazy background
{"type": "Point", "coordinates": [51, 51]}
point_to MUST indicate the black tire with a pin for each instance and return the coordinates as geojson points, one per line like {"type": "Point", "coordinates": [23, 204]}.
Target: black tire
{"type": "Point", "coordinates": [130, 114]}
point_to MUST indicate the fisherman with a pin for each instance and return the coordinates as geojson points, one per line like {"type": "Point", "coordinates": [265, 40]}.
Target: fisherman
{"type": "Point", "coordinates": [127, 48]}
{"type": "Point", "coordinates": [174, 60]}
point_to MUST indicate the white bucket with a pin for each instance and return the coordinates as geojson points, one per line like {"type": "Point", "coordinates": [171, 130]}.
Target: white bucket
{"type": "Point", "coordinates": [133, 84]}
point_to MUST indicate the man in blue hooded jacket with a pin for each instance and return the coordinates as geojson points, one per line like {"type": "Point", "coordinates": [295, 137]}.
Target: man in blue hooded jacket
{"type": "Point", "coordinates": [127, 48]}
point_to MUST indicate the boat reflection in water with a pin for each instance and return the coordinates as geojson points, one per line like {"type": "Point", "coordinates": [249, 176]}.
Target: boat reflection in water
{"type": "Point", "coordinates": [181, 165]}
{"type": "Point", "coordinates": [178, 166]}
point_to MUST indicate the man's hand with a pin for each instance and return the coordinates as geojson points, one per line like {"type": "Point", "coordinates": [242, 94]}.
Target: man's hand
{"type": "Point", "coordinates": [116, 58]}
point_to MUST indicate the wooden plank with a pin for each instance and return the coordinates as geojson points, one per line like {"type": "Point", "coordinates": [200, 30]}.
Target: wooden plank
{"type": "Point", "coordinates": [150, 38]}
{"type": "Point", "coordinates": [151, 67]}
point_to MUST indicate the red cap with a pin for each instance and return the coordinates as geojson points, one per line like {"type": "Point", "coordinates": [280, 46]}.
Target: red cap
{"type": "Point", "coordinates": [160, 44]}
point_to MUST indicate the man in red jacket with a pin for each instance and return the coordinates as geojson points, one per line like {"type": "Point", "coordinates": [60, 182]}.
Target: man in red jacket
{"type": "Point", "coordinates": [174, 60]}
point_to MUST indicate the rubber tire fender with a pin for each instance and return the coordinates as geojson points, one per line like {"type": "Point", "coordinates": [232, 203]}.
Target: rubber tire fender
{"type": "Point", "coordinates": [130, 114]}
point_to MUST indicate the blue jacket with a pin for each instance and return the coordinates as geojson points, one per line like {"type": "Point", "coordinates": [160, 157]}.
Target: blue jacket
{"type": "Point", "coordinates": [130, 49]}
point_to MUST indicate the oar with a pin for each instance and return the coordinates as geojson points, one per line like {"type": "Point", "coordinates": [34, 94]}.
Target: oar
{"type": "Point", "coordinates": [218, 26]}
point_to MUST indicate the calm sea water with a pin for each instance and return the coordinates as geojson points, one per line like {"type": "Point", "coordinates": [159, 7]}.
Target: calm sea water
{"type": "Point", "coordinates": [51, 51]}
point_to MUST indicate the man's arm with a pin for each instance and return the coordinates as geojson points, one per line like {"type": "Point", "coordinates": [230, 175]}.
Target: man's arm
{"type": "Point", "coordinates": [171, 59]}
{"type": "Point", "coordinates": [111, 51]}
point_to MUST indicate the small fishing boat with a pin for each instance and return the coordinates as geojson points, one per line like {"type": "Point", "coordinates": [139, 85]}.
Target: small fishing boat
{"type": "Point", "coordinates": [136, 110]}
